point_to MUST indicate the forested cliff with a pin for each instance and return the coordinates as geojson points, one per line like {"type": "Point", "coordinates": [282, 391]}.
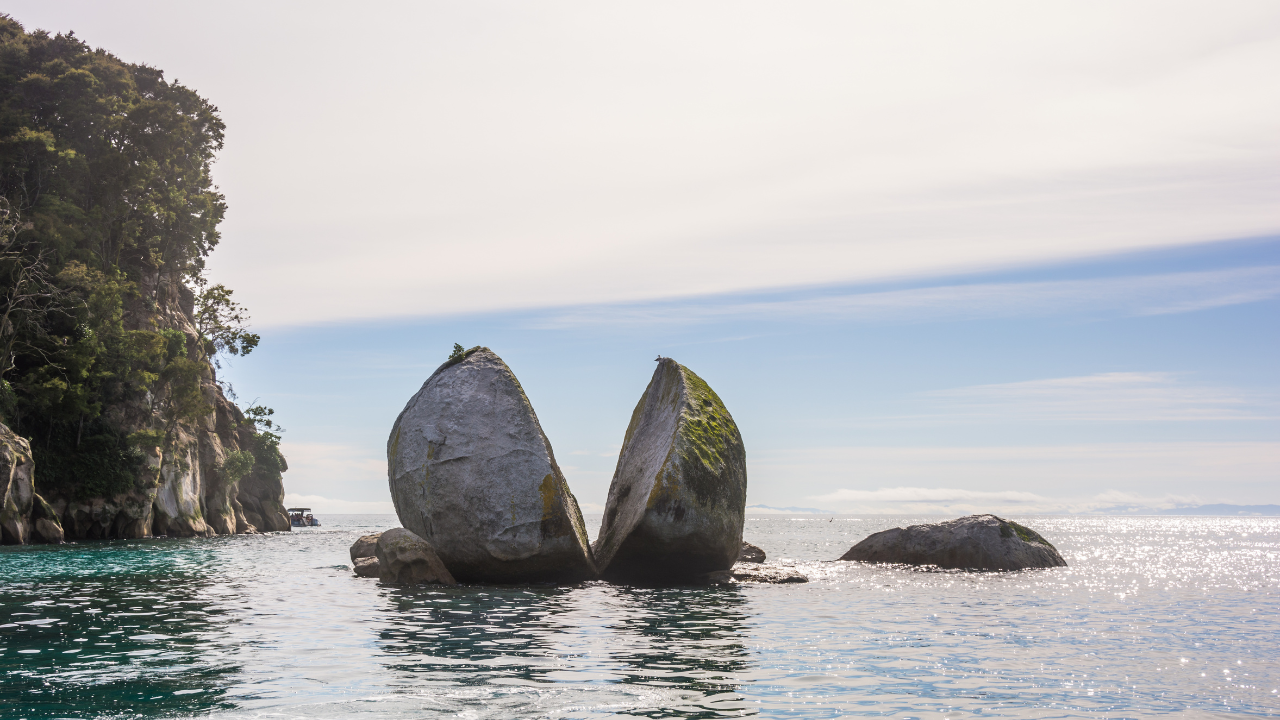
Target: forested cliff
{"type": "Point", "coordinates": [115, 424]}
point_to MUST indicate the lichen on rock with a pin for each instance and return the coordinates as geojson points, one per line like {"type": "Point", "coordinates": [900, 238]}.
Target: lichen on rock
{"type": "Point", "coordinates": [473, 474]}
{"type": "Point", "coordinates": [678, 498]}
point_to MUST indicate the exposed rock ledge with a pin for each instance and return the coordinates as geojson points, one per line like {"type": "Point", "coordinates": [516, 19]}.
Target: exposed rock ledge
{"type": "Point", "coordinates": [756, 572]}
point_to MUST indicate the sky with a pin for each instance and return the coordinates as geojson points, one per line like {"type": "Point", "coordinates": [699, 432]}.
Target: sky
{"type": "Point", "coordinates": [935, 257]}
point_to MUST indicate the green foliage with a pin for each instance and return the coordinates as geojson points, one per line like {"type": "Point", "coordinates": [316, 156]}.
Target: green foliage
{"type": "Point", "coordinates": [236, 465]}
{"type": "Point", "coordinates": [83, 462]}
{"type": "Point", "coordinates": [222, 321]}
{"type": "Point", "coordinates": [106, 206]}
{"type": "Point", "coordinates": [457, 354]}
{"type": "Point", "coordinates": [266, 437]}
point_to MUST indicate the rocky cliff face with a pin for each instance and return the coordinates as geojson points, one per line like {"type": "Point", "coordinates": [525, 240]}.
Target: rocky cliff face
{"type": "Point", "coordinates": [187, 483]}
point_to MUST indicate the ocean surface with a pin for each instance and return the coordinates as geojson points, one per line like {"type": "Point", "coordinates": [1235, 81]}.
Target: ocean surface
{"type": "Point", "coordinates": [1155, 615]}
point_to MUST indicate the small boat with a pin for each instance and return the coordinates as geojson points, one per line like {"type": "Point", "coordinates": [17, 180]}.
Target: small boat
{"type": "Point", "coordinates": [302, 517]}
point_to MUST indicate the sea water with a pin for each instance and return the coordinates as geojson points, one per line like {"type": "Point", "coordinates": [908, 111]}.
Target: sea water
{"type": "Point", "coordinates": [1154, 615]}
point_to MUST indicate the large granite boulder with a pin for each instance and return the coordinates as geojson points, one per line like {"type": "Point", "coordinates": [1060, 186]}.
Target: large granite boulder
{"type": "Point", "coordinates": [678, 498]}
{"type": "Point", "coordinates": [977, 542]}
{"type": "Point", "coordinates": [472, 473]}
{"type": "Point", "coordinates": [406, 559]}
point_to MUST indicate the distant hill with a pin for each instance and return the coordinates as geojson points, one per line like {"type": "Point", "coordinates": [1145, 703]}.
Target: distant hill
{"type": "Point", "coordinates": [1225, 509]}
{"type": "Point", "coordinates": [771, 510]}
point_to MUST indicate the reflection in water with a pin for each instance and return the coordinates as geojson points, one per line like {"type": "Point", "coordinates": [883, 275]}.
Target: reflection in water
{"type": "Point", "coordinates": [688, 639]}
{"type": "Point", "coordinates": [597, 647]}
{"type": "Point", "coordinates": [1153, 616]}
{"type": "Point", "coordinates": [111, 629]}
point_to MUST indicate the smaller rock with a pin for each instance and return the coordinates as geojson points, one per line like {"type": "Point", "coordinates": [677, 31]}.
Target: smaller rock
{"type": "Point", "coordinates": [46, 528]}
{"type": "Point", "coordinates": [977, 542]}
{"type": "Point", "coordinates": [406, 559]}
{"type": "Point", "coordinates": [365, 547]}
{"type": "Point", "coordinates": [49, 532]}
{"type": "Point", "coordinates": [750, 553]}
{"type": "Point", "coordinates": [366, 567]}
{"type": "Point", "coordinates": [758, 572]}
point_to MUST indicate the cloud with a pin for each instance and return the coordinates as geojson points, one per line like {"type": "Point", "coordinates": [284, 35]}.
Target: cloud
{"type": "Point", "coordinates": [1115, 296]}
{"type": "Point", "coordinates": [320, 504]}
{"type": "Point", "coordinates": [664, 154]}
{"type": "Point", "coordinates": [1105, 397]}
{"type": "Point", "coordinates": [1016, 478]}
{"type": "Point", "coordinates": [347, 461]}
{"type": "Point", "coordinates": [954, 501]}
{"type": "Point", "coordinates": [932, 495]}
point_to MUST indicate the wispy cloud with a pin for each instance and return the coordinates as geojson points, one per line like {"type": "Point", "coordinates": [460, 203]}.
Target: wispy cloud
{"type": "Point", "coordinates": [1134, 295]}
{"type": "Point", "coordinates": [911, 495]}
{"type": "Point", "coordinates": [1045, 477]}
{"type": "Point", "coordinates": [310, 462]}
{"type": "Point", "coordinates": [1104, 397]}
{"type": "Point", "coordinates": [953, 501]}
{"type": "Point", "coordinates": [320, 504]}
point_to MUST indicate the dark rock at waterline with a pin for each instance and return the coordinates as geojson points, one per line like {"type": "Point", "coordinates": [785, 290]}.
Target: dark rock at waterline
{"type": "Point", "coordinates": [977, 542]}
{"type": "Point", "coordinates": [366, 567]}
{"type": "Point", "coordinates": [365, 547]}
{"type": "Point", "coordinates": [750, 554]}
{"type": "Point", "coordinates": [678, 497]}
{"type": "Point", "coordinates": [472, 473]}
{"type": "Point", "coordinates": [406, 559]}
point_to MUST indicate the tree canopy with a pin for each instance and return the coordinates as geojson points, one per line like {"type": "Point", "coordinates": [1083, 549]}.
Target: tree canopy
{"type": "Point", "coordinates": [108, 208]}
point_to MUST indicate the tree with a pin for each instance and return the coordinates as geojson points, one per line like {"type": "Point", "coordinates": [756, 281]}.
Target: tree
{"type": "Point", "coordinates": [108, 164]}
{"type": "Point", "coordinates": [27, 292]}
{"type": "Point", "coordinates": [221, 321]}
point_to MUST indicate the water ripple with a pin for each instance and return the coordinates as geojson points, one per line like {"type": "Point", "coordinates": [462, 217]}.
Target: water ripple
{"type": "Point", "coordinates": [1153, 616]}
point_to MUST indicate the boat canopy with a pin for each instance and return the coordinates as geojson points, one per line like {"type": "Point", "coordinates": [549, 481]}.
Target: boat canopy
{"type": "Point", "coordinates": [298, 510]}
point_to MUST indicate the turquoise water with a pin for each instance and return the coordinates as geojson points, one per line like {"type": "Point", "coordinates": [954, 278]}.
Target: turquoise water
{"type": "Point", "coordinates": [1154, 615]}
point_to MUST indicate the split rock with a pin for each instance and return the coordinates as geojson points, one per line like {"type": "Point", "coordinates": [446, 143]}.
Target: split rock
{"type": "Point", "coordinates": [406, 559]}
{"type": "Point", "coordinates": [678, 497]}
{"type": "Point", "coordinates": [472, 473]}
{"type": "Point", "coordinates": [977, 542]}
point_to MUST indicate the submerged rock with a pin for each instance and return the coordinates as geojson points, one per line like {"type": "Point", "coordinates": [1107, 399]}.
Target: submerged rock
{"type": "Point", "coordinates": [367, 567]}
{"type": "Point", "coordinates": [678, 497]}
{"type": "Point", "coordinates": [406, 559]}
{"type": "Point", "coordinates": [472, 473]}
{"type": "Point", "coordinates": [977, 542]}
{"type": "Point", "coordinates": [765, 573]}
{"type": "Point", "coordinates": [365, 547]}
{"type": "Point", "coordinates": [750, 554]}
{"type": "Point", "coordinates": [751, 572]}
